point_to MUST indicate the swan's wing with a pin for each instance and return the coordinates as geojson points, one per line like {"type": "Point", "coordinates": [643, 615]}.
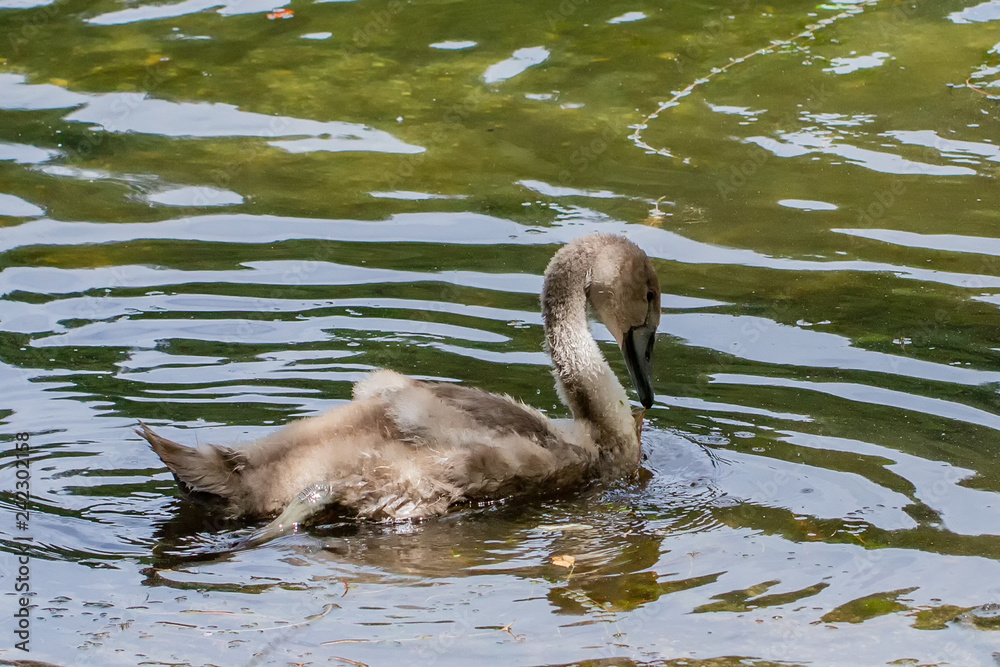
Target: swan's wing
{"type": "Point", "coordinates": [423, 409]}
{"type": "Point", "coordinates": [502, 419]}
{"type": "Point", "coordinates": [496, 413]}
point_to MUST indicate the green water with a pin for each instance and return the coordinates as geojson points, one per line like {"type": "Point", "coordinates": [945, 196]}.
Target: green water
{"type": "Point", "coordinates": [215, 221]}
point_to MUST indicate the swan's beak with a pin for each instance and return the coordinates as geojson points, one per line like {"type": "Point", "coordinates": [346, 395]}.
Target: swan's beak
{"type": "Point", "coordinates": [638, 349]}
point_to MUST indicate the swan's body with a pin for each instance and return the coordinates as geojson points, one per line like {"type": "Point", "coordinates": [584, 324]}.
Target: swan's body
{"type": "Point", "coordinates": [407, 449]}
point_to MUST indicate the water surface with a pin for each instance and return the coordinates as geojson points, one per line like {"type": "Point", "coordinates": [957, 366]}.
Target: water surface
{"type": "Point", "coordinates": [215, 216]}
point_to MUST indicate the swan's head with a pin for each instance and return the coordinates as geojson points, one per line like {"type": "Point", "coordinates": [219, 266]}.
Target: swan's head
{"type": "Point", "coordinates": [625, 293]}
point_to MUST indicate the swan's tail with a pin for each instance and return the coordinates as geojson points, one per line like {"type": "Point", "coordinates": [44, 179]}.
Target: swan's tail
{"type": "Point", "coordinates": [212, 469]}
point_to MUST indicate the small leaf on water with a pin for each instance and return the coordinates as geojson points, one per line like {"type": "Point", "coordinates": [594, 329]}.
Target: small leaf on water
{"type": "Point", "coordinates": [564, 561]}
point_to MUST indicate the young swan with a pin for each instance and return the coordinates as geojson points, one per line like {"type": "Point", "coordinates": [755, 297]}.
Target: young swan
{"type": "Point", "coordinates": [408, 449]}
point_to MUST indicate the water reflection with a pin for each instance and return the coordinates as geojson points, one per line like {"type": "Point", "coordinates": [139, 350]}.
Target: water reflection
{"type": "Point", "coordinates": [167, 11]}
{"type": "Point", "coordinates": [876, 396]}
{"type": "Point", "coordinates": [24, 154]}
{"type": "Point", "coordinates": [944, 242]}
{"type": "Point", "coordinates": [15, 207]}
{"type": "Point", "coordinates": [440, 227]}
{"type": "Point", "coordinates": [981, 13]}
{"type": "Point", "coordinates": [846, 65]}
{"type": "Point", "coordinates": [195, 196]}
{"type": "Point", "coordinates": [136, 112]}
{"type": "Point", "coordinates": [802, 143]}
{"type": "Point", "coordinates": [517, 63]}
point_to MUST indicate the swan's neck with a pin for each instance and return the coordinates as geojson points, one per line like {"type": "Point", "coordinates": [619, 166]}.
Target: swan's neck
{"type": "Point", "coordinates": [584, 380]}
